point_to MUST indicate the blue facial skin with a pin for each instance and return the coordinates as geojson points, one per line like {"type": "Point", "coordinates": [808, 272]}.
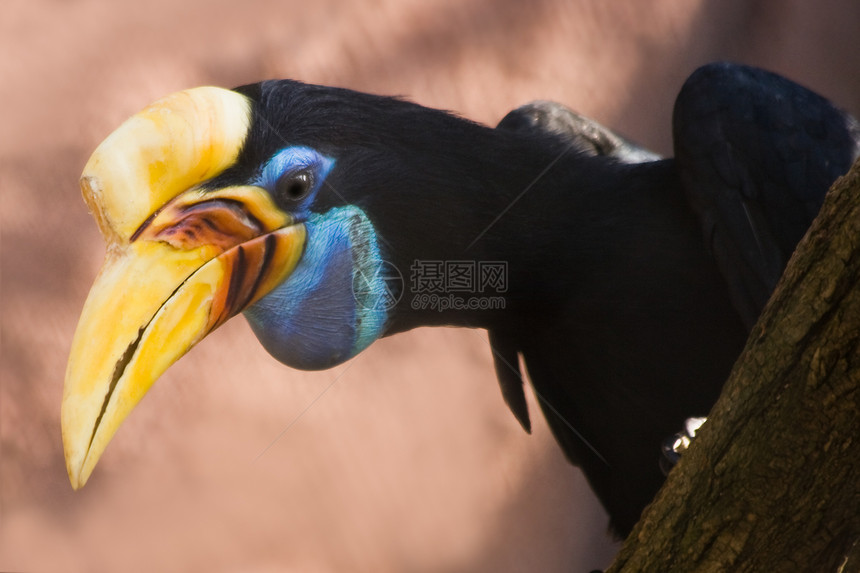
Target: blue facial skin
{"type": "Point", "coordinates": [317, 318]}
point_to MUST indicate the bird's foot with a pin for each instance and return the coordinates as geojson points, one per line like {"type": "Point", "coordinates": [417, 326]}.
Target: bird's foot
{"type": "Point", "coordinates": [677, 444]}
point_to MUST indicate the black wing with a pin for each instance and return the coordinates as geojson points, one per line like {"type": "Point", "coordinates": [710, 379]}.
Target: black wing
{"type": "Point", "coordinates": [756, 154]}
{"type": "Point", "coordinates": [623, 493]}
{"type": "Point", "coordinates": [588, 137]}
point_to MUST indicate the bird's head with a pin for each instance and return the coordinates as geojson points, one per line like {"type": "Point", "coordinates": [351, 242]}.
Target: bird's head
{"type": "Point", "coordinates": [213, 202]}
{"type": "Point", "coordinates": [301, 206]}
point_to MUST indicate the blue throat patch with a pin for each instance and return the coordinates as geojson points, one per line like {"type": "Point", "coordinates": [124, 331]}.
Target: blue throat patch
{"type": "Point", "coordinates": [336, 301]}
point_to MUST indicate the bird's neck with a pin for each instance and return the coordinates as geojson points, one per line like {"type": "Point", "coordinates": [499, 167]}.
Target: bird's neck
{"type": "Point", "coordinates": [493, 227]}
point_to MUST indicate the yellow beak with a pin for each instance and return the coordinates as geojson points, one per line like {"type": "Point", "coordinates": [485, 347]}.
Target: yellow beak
{"type": "Point", "coordinates": [180, 260]}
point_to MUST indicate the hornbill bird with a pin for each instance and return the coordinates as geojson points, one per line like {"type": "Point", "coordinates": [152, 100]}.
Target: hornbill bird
{"type": "Point", "coordinates": [629, 282]}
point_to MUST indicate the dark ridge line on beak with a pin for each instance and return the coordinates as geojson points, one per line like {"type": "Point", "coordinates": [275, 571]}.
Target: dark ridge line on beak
{"type": "Point", "coordinates": [236, 273]}
{"type": "Point", "coordinates": [232, 204]}
{"type": "Point", "coordinates": [269, 246]}
{"type": "Point", "coordinates": [118, 370]}
{"type": "Point", "coordinates": [145, 224]}
{"type": "Point", "coordinates": [126, 357]}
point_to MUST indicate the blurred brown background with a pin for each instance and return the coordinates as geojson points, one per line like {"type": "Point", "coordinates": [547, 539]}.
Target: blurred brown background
{"type": "Point", "coordinates": [409, 461]}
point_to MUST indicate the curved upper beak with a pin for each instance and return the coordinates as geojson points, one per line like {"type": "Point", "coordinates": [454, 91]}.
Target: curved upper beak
{"type": "Point", "coordinates": [180, 260]}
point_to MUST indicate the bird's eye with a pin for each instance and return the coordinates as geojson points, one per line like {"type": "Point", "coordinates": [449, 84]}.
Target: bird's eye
{"type": "Point", "coordinates": [295, 186]}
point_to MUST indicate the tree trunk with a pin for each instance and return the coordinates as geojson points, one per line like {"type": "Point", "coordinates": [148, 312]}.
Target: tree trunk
{"type": "Point", "coordinates": [772, 480]}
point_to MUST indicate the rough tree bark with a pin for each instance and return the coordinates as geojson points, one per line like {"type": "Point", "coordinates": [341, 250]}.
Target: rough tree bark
{"type": "Point", "coordinates": [772, 481]}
